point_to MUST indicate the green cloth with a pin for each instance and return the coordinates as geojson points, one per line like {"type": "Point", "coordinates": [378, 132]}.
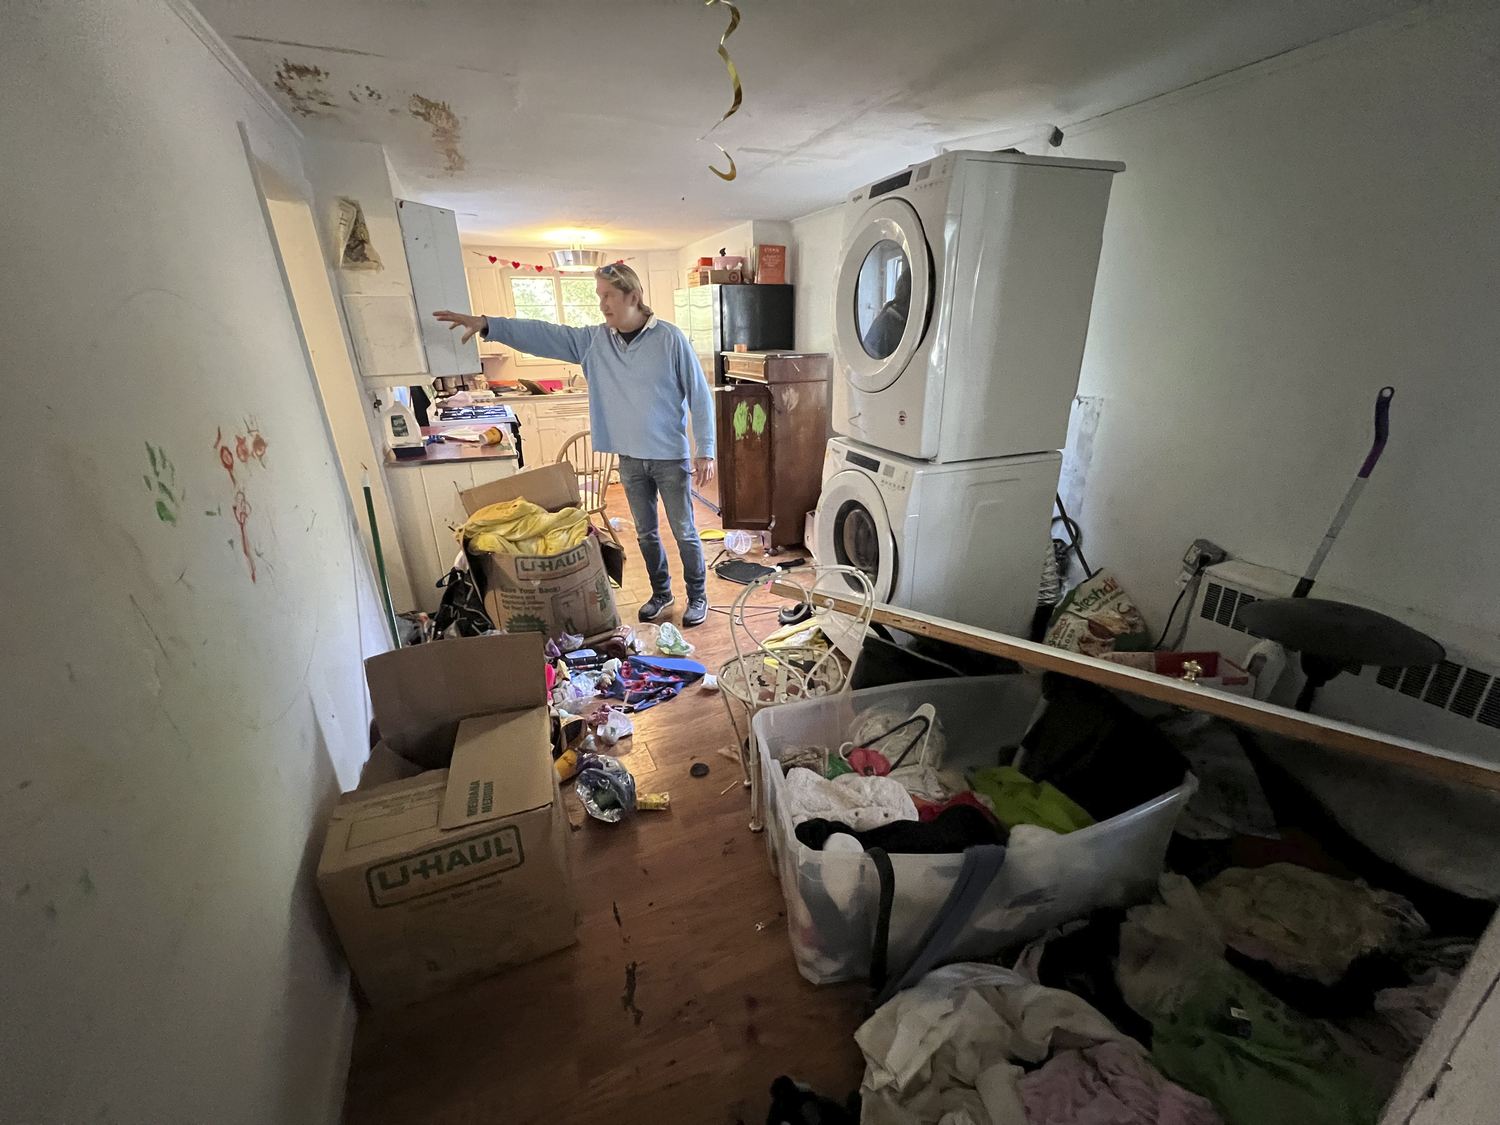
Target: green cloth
{"type": "Point", "coordinates": [837, 765]}
{"type": "Point", "coordinates": [1017, 799]}
{"type": "Point", "coordinates": [1259, 1061]}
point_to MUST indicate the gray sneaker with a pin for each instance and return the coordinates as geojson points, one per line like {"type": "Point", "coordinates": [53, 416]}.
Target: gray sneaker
{"type": "Point", "coordinates": [658, 605]}
{"type": "Point", "coordinates": [697, 610]}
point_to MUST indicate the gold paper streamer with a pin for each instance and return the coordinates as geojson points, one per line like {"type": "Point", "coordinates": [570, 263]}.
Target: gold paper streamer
{"type": "Point", "coordinates": [734, 77]}
{"type": "Point", "coordinates": [734, 74]}
{"type": "Point", "coordinates": [733, 171]}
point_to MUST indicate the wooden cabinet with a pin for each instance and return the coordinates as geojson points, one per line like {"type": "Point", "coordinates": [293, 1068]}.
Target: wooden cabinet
{"type": "Point", "coordinates": [772, 431]}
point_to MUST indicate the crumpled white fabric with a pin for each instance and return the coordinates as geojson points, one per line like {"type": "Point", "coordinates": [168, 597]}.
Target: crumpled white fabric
{"type": "Point", "coordinates": [941, 1053]}
{"type": "Point", "coordinates": [860, 802]}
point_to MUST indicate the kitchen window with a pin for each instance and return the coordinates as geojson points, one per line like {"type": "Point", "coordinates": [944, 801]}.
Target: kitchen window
{"type": "Point", "coordinates": [558, 299]}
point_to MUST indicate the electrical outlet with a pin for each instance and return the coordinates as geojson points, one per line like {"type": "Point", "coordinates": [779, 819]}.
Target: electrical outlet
{"type": "Point", "coordinates": [1202, 553]}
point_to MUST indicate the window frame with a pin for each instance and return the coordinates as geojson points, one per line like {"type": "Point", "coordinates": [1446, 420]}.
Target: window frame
{"type": "Point", "coordinates": [526, 359]}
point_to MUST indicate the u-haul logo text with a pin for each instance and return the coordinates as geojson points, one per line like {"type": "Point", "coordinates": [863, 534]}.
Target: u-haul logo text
{"type": "Point", "coordinates": [539, 565]}
{"type": "Point", "coordinates": [445, 866]}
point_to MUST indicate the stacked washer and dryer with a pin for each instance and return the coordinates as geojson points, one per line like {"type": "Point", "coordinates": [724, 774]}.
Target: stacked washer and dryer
{"type": "Point", "coordinates": [960, 312]}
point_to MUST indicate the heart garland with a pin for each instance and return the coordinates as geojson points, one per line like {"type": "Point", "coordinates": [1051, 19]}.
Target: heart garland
{"type": "Point", "coordinates": [495, 260]}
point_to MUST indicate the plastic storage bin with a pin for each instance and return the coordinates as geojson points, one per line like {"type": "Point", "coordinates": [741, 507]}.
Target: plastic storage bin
{"type": "Point", "coordinates": [832, 898]}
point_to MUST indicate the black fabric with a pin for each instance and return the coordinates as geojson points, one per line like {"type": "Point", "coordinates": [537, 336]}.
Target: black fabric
{"type": "Point", "coordinates": [1083, 962]}
{"type": "Point", "coordinates": [1352, 995]}
{"type": "Point", "coordinates": [792, 1103]}
{"type": "Point", "coordinates": [629, 336]}
{"type": "Point", "coordinates": [952, 830]}
{"type": "Point", "coordinates": [419, 404]}
{"type": "Point", "coordinates": [1097, 750]}
{"type": "Point", "coordinates": [883, 662]}
{"type": "Point", "coordinates": [880, 951]}
{"type": "Point", "coordinates": [462, 606]}
{"type": "Point", "coordinates": [613, 556]}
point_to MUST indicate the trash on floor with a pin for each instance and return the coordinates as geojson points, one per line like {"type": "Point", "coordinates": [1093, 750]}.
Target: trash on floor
{"type": "Point", "coordinates": [605, 787]}
{"type": "Point", "coordinates": [653, 802]}
{"type": "Point", "coordinates": [670, 641]}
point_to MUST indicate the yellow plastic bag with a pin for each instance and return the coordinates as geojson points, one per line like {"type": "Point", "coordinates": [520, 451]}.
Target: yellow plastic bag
{"type": "Point", "coordinates": [519, 527]}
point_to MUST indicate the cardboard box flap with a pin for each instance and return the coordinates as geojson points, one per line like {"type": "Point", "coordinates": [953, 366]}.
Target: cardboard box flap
{"type": "Point", "coordinates": [551, 487]}
{"type": "Point", "coordinates": [419, 694]}
{"type": "Point", "coordinates": [502, 766]}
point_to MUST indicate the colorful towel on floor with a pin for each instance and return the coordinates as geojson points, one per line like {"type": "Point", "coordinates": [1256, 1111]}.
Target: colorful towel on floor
{"type": "Point", "coordinates": [645, 681]}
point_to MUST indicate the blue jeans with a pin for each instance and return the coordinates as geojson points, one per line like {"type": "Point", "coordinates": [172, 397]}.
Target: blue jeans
{"type": "Point", "coordinates": [673, 481]}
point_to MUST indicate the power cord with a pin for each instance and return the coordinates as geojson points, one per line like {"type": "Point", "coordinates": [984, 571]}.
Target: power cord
{"type": "Point", "coordinates": [1204, 561]}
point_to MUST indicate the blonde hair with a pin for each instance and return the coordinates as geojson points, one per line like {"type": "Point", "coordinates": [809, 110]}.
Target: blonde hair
{"type": "Point", "coordinates": [626, 280]}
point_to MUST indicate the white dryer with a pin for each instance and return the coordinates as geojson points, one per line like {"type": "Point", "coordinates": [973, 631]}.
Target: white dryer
{"type": "Point", "coordinates": [962, 302]}
{"type": "Point", "coordinates": [963, 540]}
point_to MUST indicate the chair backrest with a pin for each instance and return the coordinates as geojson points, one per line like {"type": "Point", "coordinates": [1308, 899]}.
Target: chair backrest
{"type": "Point", "coordinates": [593, 467]}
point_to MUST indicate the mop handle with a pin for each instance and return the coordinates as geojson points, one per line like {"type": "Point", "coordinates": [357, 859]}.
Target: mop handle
{"type": "Point", "coordinates": [1382, 432]}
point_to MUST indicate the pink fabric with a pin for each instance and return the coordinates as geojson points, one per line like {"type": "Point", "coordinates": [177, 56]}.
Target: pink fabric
{"type": "Point", "coordinates": [929, 810]}
{"type": "Point", "coordinates": [1108, 1085]}
{"type": "Point", "coordinates": [869, 763]}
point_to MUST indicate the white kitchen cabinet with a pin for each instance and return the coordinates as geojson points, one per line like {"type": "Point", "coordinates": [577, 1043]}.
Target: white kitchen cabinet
{"type": "Point", "coordinates": [435, 261]}
{"type": "Point", "coordinates": [486, 300]}
{"type": "Point", "coordinates": [547, 422]}
{"type": "Point", "coordinates": [427, 507]}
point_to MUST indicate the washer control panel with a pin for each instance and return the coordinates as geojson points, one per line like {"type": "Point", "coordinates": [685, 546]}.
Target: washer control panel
{"type": "Point", "coordinates": [889, 475]}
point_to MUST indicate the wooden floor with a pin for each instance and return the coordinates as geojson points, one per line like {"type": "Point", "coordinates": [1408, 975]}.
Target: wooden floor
{"type": "Point", "coordinates": [680, 1002]}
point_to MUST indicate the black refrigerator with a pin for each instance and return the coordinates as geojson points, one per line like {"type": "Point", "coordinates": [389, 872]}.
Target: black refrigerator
{"type": "Point", "coordinates": [717, 317]}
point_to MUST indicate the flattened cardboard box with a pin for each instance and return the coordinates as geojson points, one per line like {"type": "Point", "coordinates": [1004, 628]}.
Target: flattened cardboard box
{"type": "Point", "coordinates": [564, 593]}
{"type": "Point", "coordinates": [452, 874]}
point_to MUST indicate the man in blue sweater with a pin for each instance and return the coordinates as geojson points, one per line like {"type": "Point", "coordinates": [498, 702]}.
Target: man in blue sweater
{"type": "Point", "coordinates": [643, 380]}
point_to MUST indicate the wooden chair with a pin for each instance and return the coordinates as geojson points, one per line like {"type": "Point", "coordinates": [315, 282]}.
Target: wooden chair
{"type": "Point", "coordinates": [594, 471]}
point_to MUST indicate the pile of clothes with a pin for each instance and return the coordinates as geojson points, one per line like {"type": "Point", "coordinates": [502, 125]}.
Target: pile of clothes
{"type": "Point", "coordinates": [1265, 981]}
{"type": "Point", "coordinates": [1086, 759]}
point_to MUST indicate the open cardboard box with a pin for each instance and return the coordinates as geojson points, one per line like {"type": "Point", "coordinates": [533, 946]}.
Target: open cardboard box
{"type": "Point", "coordinates": [568, 592]}
{"type": "Point", "coordinates": [450, 860]}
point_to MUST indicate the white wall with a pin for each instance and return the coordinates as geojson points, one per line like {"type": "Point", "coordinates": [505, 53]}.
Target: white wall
{"type": "Point", "coordinates": [739, 239]}
{"type": "Point", "coordinates": [1285, 241]}
{"type": "Point", "coordinates": [812, 261]}
{"type": "Point", "coordinates": [173, 729]}
{"type": "Point", "coordinates": [346, 404]}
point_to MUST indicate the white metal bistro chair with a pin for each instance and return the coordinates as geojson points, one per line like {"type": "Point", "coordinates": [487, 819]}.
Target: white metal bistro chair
{"type": "Point", "coordinates": [758, 677]}
{"type": "Point", "coordinates": [594, 470]}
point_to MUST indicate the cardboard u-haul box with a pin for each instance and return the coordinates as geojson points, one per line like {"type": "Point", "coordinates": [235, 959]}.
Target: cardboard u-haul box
{"type": "Point", "coordinates": [449, 875]}
{"type": "Point", "coordinates": [568, 592]}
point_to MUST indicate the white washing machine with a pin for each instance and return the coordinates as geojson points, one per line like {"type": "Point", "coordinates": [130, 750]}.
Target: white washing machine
{"type": "Point", "coordinates": [962, 303]}
{"type": "Point", "coordinates": [963, 540]}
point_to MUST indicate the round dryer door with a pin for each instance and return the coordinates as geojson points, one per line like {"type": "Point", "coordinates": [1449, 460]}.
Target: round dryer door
{"type": "Point", "coordinates": [854, 530]}
{"type": "Point", "coordinates": [882, 295]}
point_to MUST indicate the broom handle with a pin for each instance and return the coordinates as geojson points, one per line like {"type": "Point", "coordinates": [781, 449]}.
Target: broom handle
{"type": "Point", "coordinates": [1382, 432]}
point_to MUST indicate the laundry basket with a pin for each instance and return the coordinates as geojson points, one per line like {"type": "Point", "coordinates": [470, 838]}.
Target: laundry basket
{"type": "Point", "coordinates": [832, 898]}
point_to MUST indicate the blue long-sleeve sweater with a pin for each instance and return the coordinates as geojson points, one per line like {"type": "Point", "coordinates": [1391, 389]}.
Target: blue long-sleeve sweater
{"type": "Point", "coordinates": [639, 393]}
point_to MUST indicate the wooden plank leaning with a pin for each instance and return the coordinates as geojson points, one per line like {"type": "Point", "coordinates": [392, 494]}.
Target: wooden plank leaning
{"type": "Point", "coordinates": [1332, 733]}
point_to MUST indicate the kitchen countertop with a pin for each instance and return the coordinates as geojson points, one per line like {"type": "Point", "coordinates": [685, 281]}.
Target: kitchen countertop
{"type": "Point", "coordinates": [448, 451]}
{"type": "Point", "coordinates": [522, 396]}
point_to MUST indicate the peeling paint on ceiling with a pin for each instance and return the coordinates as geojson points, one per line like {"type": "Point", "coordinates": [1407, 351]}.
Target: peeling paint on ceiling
{"type": "Point", "coordinates": [526, 117]}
